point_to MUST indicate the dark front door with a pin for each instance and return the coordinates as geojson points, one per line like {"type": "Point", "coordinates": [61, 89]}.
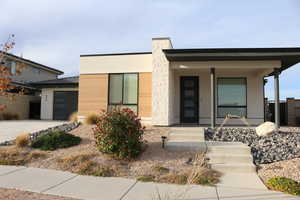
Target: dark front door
{"type": "Point", "coordinates": [65, 103]}
{"type": "Point", "coordinates": [189, 99]}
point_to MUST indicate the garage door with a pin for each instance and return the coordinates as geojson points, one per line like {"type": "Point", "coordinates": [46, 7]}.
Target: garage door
{"type": "Point", "coordinates": [65, 103]}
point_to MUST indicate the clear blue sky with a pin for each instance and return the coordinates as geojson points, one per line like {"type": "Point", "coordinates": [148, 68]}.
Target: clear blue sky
{"type": "Point", "coordinates": [56, 32]}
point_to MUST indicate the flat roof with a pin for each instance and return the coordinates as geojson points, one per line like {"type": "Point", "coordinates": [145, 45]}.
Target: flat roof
{"type": "Point", "coordinates": [288, 56]}
{"type": "Point", "coordinates": [116, 54]}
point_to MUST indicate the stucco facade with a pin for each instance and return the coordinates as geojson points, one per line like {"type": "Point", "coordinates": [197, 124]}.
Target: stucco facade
{"type": "Point", "coordinates": [165, 81]}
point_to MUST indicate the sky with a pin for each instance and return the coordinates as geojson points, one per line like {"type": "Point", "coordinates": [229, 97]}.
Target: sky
{"type": "Point", "coordinates": [57, 32]}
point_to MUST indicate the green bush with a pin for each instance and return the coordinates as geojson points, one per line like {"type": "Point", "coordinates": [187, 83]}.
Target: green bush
{"type": "Point", "coordinates": [146, 179]}
{"type": "Point", "coordinates": [55, 140]}
{"type": "Point", "coordinates": [283, 184]}
{"type": "Point", "coordinates": [119, 133]}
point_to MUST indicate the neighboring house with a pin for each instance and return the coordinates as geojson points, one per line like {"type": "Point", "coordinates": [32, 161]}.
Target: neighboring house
{"type": "Point", "coordinates": [183, 86]}
{"type": "Point", "coordinates": [59, 98]}
{"type": "Point", "coordinates": [27, 105]}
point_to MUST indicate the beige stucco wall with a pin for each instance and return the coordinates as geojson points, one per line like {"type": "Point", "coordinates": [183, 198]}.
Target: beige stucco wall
{"type": "Point", "coordinates": [116, 64]}
{"type": "Point", "coordinates": [255, 109]}
{"type": "Point", "coordinates": [47, 101]}
{"type": "Point", "coordinates": [29, 74]}
{"type": "Point", "coordinates": [20, 105]}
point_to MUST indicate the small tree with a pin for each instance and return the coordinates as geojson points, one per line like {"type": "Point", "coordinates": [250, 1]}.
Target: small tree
{"type": "Point", "coordinates": [5, 72]}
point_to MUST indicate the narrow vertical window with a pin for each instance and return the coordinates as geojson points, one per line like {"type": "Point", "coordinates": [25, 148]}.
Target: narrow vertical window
{"type": "Point", "coordinates": [232, 97]}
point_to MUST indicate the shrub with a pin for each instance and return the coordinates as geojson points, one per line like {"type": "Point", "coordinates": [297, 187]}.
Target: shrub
{"type": "Point", "coordinates": [92, 118]}
{"type": "Point", "coordinates": [55, 140]}
{"type": "Point", "coordinates": [146, 179]}
{"type": "Point", "coordinates": [284, 184]}
{"type": "Point", "coordinates": [103, 171]}
{"type": "Point", "coordinates": [180, 179]}
{"type": "Point", "coordinates": [73, 117]}
{"type": "Point", "coordinates": [204, 176]}
{"type": "Point", "coordinates": [160, 169]}
{"type": "Point", "coordinates": [10, 116]}
{"type": "Point", "coordinates": [23, 140]}
{"type": "Point", "coordinates": [119, 133]}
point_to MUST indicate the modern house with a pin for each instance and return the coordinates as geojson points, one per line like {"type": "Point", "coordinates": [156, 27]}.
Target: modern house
{"type": "Point", "coordinates": [170, 86]}
{"type": "Point", "coordinates": [27, 105]}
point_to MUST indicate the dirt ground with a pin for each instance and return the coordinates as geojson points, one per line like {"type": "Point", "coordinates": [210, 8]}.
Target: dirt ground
{"type": "Point", "coordinates": [70, 159]}
{"type": "Point", "coordinates": [12, 194]}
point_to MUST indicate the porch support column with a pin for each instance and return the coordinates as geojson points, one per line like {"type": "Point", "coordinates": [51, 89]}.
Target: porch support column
{"type": "Point", "coordinates": [277, 98]}
{"type": "Point", "coordinates": [213, 98]}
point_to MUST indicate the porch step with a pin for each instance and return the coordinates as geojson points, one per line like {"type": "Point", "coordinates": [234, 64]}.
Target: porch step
{"type": "Point", "coordinates": [186, 139]}
{"type": "Point", "coordinates": [186, 146]}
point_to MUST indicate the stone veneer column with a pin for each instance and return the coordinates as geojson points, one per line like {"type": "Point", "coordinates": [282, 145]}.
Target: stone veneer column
{"type": "Point", "coordinates": [160, 82]}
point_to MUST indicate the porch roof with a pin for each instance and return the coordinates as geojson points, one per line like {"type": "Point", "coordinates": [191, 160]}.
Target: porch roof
{"type": "Point", "coordinates": [288, 56]}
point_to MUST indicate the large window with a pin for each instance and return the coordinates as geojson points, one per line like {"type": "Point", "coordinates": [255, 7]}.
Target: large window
{"type": "Point", "coordinates": [123, 90]}
{"type": "Point", "coordinates": [232, 96]}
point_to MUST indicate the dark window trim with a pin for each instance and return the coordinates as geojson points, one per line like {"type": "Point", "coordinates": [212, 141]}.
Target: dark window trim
{"type": "Point", "coordinates": [122, 104]}
{"type": "Point", "coordinates": [246, 106]}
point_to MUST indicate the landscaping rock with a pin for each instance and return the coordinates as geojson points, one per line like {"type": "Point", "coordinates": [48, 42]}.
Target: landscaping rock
{"type": "Point", "coordinates": [266, 129]}
{"type": "Point", "coordinates": [64, 127]}
{"type": "Point", "coordinates": [276, 147]}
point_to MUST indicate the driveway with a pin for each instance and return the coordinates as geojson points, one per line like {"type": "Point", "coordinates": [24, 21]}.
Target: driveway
{"type": "Point", "coordinates": [11, 129]}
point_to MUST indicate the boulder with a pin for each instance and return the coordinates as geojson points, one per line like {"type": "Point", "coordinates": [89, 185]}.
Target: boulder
{"type": "Point", "coordinates": [266, 129]}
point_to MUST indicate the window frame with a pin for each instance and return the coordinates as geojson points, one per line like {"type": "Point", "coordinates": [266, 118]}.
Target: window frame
{"type": "Point", "coordinates": [122, 104]}
{"type": "Point", "coordinates": [217, 90]}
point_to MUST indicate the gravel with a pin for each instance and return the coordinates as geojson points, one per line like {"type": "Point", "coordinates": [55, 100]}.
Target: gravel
{"type": "Point", "coordinates": [280, 146]}
{"type": "Point", "coordinates": [288, 168]}
{"type": "Point", "coordinates": [12, 194]}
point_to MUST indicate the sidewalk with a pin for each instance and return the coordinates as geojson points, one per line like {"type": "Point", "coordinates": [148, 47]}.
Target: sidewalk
{"type": "Point", "coordinates": [89, 187]}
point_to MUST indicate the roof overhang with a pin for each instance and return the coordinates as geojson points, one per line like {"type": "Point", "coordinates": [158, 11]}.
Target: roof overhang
{"type": "Point", "coordinates": [287, 56]}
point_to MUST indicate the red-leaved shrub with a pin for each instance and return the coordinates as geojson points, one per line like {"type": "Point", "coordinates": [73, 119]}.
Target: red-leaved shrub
{"type": "Point", "coordinates": [119, 132]}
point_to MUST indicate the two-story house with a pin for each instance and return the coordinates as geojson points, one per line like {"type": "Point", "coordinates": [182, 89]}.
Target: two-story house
{"type": "Point", "coordinates": [28, 104]}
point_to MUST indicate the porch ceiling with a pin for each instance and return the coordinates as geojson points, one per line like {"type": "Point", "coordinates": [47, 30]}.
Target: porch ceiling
{"type": "Point", "coordinates": [287, 56]}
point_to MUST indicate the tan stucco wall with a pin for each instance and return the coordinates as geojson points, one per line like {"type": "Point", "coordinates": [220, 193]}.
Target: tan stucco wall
{"type": "Point", "coordinates": [93, 90]}
{"type": "Point", "coordinates": [20, 105]}
{"type": "Point", "coordinates": [116, 64]}
{"type": "Point", "coordinates": [255, 108]}
{"type": "Point", "coordinates": [145, 95]}
{"type": "Point", "coordinates": [47, 97]}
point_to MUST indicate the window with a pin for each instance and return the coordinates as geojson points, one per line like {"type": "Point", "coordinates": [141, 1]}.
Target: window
{"type": "Point", "coordinates": [123, 90]}
{"type": "Point", "coordinates": [232, 96]}
{"type": "Point", "coordinates": [13, 68]}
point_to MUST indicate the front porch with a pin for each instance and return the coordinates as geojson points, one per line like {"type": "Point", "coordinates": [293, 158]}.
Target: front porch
{"type": "Point", "coordinates": [203, 86]}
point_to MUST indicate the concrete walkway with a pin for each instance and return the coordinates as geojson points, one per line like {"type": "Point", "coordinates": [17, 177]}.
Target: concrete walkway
{"type": "Point", "coordinates": [88, 187]}
{"type": "Point", "coordinates": [232, 159]}
{"type": "Point", "coordinates": [10, 129]}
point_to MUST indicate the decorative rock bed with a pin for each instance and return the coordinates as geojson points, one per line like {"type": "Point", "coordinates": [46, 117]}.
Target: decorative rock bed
{"type": "Point", "coordinates": [277, 147]}
{"type": "Point", "coordinates": [64, 127]}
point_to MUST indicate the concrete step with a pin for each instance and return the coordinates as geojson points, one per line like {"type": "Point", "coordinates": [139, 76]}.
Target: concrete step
{"type": "Point", "coordinates": [227, 158]}
{"type": "Point", "coordinates": [237, 168]}
{"type": "Point", "coordinates": [185, 138]}
{"type": "Point", "coordinates": [187, 129]}
{"type": "Point", "coordinates": [186, 146]}
{"type": "Point", "coordinates": [230, 150]}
